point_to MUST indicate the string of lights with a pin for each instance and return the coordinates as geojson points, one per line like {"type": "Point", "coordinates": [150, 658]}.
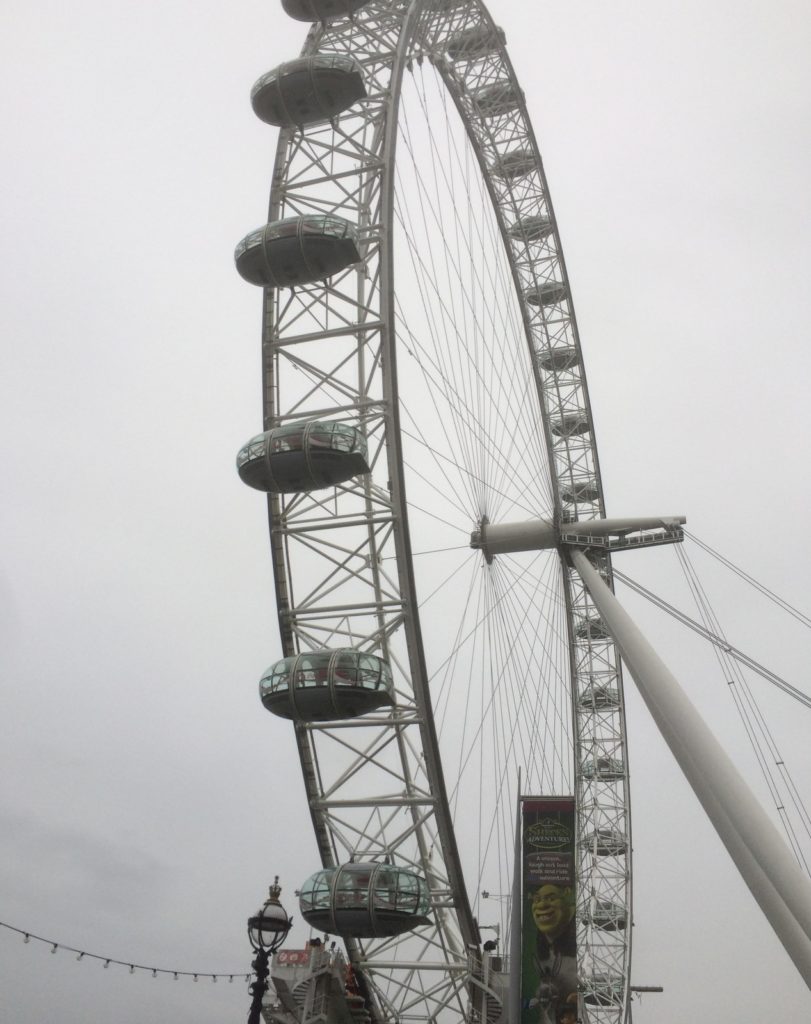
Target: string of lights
{"type": "Point", "coordinates": [107, 960]}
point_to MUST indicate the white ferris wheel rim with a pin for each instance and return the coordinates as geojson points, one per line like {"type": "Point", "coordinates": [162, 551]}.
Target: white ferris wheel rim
{"type": "Point", "coordinates": [406, 30]}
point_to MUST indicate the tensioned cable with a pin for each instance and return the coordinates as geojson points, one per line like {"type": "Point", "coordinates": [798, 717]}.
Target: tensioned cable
{"type": "Point", "coordinates": [755, 725]}
{"type": "Point", "coordinates": [718, 641]}
{"type": "Point", "coordinates": [427, 275]}
{"type": "Point", "coordinates": [462, 469]}
{"type": "Point", "coordinates": [444, 383]}
{"type": "Point", "coordinates": [471, 321]}
{"type": "Point", "coordinates": [497, 613]}
{"type": "Point", "coordinates": [512, 664]}
{"type": "Point", "coordinates": [424, 600]}
{"type": "Point", "coordinates": [749, 713]}
{"type": "Point", "coordinates": [761, 587]}
{"type": "Point", "coordinates": [554, 670]}
{"type": "Point", "coordinates": [504, 285]}
{"type": "Point", "coordinates": [431, 551]}
{"type": "Point", "coordinates": [722, 645]}
{"type": "Point", "coordinates": [517, 477]}
{"type": "Point", "coordinates": [516, 722]}
{"type": "Point", "coordinates": [107, 960]}
{"type": "Point", "coordinates": [431, 282]}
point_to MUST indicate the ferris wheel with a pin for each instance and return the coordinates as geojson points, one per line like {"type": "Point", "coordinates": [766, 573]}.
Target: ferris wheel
{"type": "Point", "coordinates": [424, 398]}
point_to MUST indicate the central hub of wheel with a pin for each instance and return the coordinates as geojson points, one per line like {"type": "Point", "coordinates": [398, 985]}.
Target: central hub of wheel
{"type": "Point", "coordinates": [498, 539]}
{"type": "Point", "coordinates": [610, 534]}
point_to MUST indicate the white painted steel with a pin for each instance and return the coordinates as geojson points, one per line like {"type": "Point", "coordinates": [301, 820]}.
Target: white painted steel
{"type": "Point", "coordinates": [538, 534]}
{"type": "Point", "coordinates": [763, 859]}
{"type": "Point", "coordinates": [343, 565]}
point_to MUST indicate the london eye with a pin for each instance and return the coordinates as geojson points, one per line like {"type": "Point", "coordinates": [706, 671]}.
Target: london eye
{"type": "Point", "coordinates": [428, 450]}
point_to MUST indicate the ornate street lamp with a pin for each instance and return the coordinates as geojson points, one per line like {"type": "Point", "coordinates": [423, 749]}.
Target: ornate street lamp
{"type": "Point", "coordinates": [267, 930]}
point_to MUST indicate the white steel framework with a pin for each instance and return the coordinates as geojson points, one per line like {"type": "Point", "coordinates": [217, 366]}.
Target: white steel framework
{"type": "Point", "coordinates": [366, 347]}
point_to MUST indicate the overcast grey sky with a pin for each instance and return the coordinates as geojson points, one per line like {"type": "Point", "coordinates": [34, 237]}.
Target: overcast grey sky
{"type": "Point", "coordinates": [147, 798]}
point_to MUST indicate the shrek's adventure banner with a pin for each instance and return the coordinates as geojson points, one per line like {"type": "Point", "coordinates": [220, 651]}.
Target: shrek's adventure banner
{"type": "Point", "coordinates": [548, 932]}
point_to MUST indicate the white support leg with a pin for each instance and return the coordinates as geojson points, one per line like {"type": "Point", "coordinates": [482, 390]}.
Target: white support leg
{"type": "Point", "coordinates": [781, 918]}
{"type": "Point", "coordinates": [764, 860]}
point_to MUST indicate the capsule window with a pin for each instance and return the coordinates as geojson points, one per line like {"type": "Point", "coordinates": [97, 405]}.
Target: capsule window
{"type": "Point", "coordinates": [286, 439]}
{"type": "Point", "coordinates": [315, 893]}
{"type": "Point", "coordinates": [369, 672]}
{"type": "Point", "coordinates": [345, 669]}
{"type": "Point", "coordinates": [352, 887]}
{"type": "Point", "coordinates": [311, 670]}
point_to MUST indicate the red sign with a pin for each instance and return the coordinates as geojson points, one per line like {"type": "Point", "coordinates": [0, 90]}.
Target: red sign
{"type": "Point", "coordinates": [291, 957]}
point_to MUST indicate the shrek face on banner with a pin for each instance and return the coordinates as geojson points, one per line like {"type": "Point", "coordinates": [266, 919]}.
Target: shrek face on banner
{"type": "Point", "coordinates": [552, 909]}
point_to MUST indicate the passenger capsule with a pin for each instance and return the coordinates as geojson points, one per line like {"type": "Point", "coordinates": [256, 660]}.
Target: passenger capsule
{"type": "Point", "coordinates": [592, 629]}
{"type": "Point", "coordinates": [297, 250]}
{"type": "Point", "coordinates": [473, 43]}
{"type": "Point", "coordinates": [308, 90]}
{"type": "Point", "coordinates": [533, 229]}
{"type": "Point", "coordinates": [579, 492]}
{"type": "Point", "coordinates": [606, 769]}
{"type": "Point", "coordinates": [602, 989]}
{"type": "Point", "coordinates": [367, 901]}
{"type": "Point", "coordinates": [497, 99]}
{"type": "Point", "coordinates": [321, 10]}
{"type": "Point", "coordinates": [607, 916]}
{"type": "Point", "coordinates": [557, 359]}
{"type": "Point", "coordinates": [517, 163]}
{"type": "Point", "coordinates": [571, 423]}
{"type": "Point", "coordinates": [599, 698]}
{"type": "Point", "coordinates": [327, 686]}
{"type": "Point", "coordinates": [547, 293]}
{"type": "Point", "coordinates": [303, 457]}
{"type": "Point", "coordinates": [606, 842]}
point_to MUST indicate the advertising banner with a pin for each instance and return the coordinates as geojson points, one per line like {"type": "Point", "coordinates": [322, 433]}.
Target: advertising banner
{"type": "Point", "coordinates": [548, 932]}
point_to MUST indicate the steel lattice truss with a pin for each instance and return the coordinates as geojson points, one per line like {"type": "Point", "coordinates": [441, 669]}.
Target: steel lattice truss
{"type": "Point", "coordinates": [342, 557]}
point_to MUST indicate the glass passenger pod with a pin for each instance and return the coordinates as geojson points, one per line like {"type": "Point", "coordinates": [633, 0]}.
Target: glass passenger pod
{"type": "Point", "coordinates": [592, 629]}
{"type": "Point", "coordinates": [602, 989]}
{"type": "Point", "coordinates": [308, 90]}
{"type": "Point", "coordinates": [599, 698]}
{"type": "Point", "coordinates": [533, 229]}
{"type": "Point", "coordinates": [474, 43]}
{"type": "Point", "coordinates": [606, 842]}
{"type": "Point", "coordinates": [608, 916]}
{"type": "Point", "coordinates": [303, 457]}
{"type": "Point", "coordinates": [365, 900]}
{"type": "Point", "coordinates": [321, 10]}
{"type": "Point", "coordinates": [517, 163]}
{"type": "Point", "coordinates": [571, 423]}
{"type": "Point", "coordinates": [547, 293]}
{"type": "Point", "coordinates": [327, 686]}
{"type": "Point", "coordinates": [297, 251]}
{"type": "Point", "coordinates": [581, 491]}
{"type": "Point", "coordinates": [606, 769]}
{"type": "Point", "coordinates": [556, 360]}
{"type": "Point", "coordinates": [497, 99]}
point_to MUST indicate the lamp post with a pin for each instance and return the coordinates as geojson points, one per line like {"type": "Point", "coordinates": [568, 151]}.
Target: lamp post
{"type": "Point", "coordinates": [267, 930]}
